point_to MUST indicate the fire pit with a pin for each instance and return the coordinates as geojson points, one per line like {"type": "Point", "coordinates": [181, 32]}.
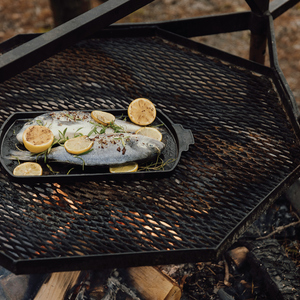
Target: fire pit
{"type": "Point", "coordinates": [246, 150]}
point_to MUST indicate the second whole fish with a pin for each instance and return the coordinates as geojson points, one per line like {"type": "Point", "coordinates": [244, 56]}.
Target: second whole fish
{"type": "Point", "coordinates": [113, 149]}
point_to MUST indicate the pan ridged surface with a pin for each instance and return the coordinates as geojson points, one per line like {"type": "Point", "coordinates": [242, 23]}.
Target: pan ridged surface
{"type": "Point", "coordinates": [244, 147]}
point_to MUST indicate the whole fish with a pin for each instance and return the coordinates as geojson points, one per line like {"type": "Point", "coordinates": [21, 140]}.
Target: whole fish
{"type": "Point", "coordinates": [111, 149]}
{"type": "Point", "coordinates": [68, 124]}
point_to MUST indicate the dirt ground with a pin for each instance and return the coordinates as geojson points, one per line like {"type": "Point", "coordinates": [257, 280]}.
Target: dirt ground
{"type": "Point", "coordinates": [25, 16]}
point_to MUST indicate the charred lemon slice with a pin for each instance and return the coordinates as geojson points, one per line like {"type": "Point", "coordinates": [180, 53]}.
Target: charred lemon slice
{"type": "Point", "coordinates": [141, 111]}
{"type": "Point", "coordinates": [102, 117]}
{"type": "Point", "coordinates": [150, 132]}
{"type": "Point", "coordinates": [78, 145]}
{"type": "Point", "coordinates": [28, 169]}
{"type": "Point", "coordinates": [128, 167]}
{"type": "Point", "coordinates": [37, 138]}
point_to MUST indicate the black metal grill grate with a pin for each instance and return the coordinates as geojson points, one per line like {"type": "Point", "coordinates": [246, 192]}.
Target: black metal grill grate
{"type": "Point", "coordinates": [244, 147]}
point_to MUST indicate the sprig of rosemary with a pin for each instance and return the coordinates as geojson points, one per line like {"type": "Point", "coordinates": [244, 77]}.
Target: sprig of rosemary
{"type": "Point", "coordinates": [17, 158]}
{"type": "Point", "coordinates": [122, 138]}
{"type": "Point", "coordinates": [60, 141]}
{"type": "Point", "coordinates": [40, 122]}
{"type": "Point", "coordinates": [94, 130]}
{"type": "Point", "coordinates": [79, 156]}
{"type": "Point", "coordinates": [72, 117]}
{"type": "Point", "coordinates": [159, 164]}
{"type": "Point", "coordinates": [116, 128]}
{"type": "Point", "coordinates": [62, 137]}
{"type": "Point", "coordinates": [51, 170]}
{"type": "Point", "coordinates": [77, 133]}
{"type": "Point", "coordinates": [70, 171]}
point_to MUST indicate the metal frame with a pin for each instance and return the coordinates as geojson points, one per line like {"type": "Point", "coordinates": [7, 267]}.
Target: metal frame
{"type": "Point", "coordinates": [61, 37]}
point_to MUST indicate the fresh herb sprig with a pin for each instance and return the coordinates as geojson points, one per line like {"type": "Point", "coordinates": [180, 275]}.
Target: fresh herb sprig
{"type": "Point", "coordinates": [79, 156]}
{"type": "Point", "coordinates": [60, 141]}
{"type": "Point", "coordinates": [72, 117]}
{"type": "Point", "coordinates": [116, 128]}
{"type": "Point", "coordinates": [40, 122]}
{"type": "Point", "coordinates": [122, 138]}
{"type": "Point", "coordinates": [51, 169]}
{"type": "Point", "coordinates": [158, 165]}
{"type": "Point", "coordinates": [96, 126]}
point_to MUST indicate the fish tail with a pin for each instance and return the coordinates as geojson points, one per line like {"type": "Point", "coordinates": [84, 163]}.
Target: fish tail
{"type": "Point", "coordinates": [21, 155]}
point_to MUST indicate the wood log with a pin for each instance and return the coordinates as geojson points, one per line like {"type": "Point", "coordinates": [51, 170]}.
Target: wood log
{"type": "Point", "coordinates": [153, 284]}
{"type": "Point", "coordinates": [57, 285]}
{"type": "Point", "coordinates": [238, 255]}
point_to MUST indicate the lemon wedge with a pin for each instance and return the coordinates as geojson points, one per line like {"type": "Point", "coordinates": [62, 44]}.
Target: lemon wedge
{"type": "Point", "coordinates": [37, 138]}
{"type": "Point", "coordinates": [102, 117]}
{"type": "Point", "coordinates": [28, 169]}
{"type": "Point", "coordinates": [78, 145]}
{"type": "Point", "coordinates": [128, 167]}
{"type": "Point", "coordinates": [150, 132]}
{"type": "Point", "coordinates": [141, 111]}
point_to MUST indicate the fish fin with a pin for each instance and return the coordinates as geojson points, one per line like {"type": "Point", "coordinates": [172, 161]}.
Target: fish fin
{"type": "Point", "coordinates": [21, 155]}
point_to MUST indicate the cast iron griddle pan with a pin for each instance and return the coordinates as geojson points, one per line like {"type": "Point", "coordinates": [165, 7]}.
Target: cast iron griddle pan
{"type": "Point", "coordinates": [175, 137]}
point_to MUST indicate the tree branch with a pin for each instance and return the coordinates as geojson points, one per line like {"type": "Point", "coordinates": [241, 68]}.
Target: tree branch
{"type": "Point", "coordinates": [278, 230]}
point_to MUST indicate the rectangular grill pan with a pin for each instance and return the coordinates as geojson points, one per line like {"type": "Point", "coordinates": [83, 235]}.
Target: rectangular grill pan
{"type": "Point", "coordinates": [175, 137]}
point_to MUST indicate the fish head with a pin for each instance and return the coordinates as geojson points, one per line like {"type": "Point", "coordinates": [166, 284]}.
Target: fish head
{"type": "Point", "coordinates": [156, 145]}
{"type": "Point", "coordinates": [152, 145]}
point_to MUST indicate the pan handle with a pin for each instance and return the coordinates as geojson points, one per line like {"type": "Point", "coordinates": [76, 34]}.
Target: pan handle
{"type": "Point", "coordinates": [185, 137]}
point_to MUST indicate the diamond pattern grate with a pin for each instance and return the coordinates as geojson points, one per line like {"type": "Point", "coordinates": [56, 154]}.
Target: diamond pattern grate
{"type": "Point", "coordinates": [244, 148]}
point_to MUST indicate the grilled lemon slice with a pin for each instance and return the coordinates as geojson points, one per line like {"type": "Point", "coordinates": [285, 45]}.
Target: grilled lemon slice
{"type": "Point", "coordinates": [28, 169]}
{"type": "Point", "coordinates": [78, 145]}
{"type": "Point", "coordinates": [102, 117]}
{"type": "Point", "coordinates": [141, 111]}
{"type": "Point", "coordinates": [150, 132]}
{"type": "Point", "coordinates": [128, 167]}
{"type": "Point", "coordinates": [37, 138]}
